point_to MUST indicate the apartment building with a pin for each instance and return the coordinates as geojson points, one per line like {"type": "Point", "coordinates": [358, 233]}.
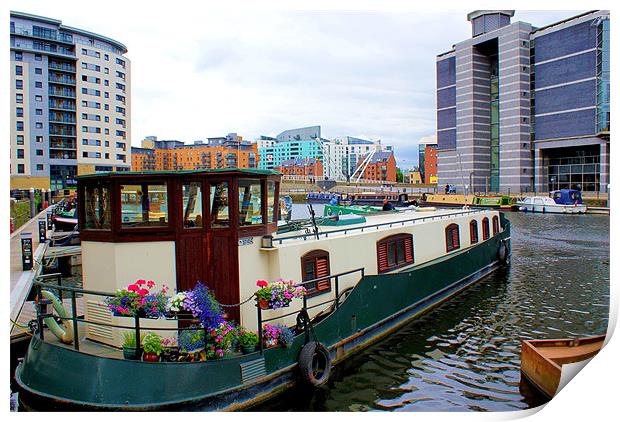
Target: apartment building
{"type": "Point", "coordinates": [342, 155]}
{"type": "Point", "coordinates": [525, 109]}
{"type": "Point", "coordinates": [377, 167]}
{"type": "Point", "coordinates": [298, 143]}
{"type": "Point", "coordinates": [69, 102]}
{"type": "Point", "coordinates": [229, 151]}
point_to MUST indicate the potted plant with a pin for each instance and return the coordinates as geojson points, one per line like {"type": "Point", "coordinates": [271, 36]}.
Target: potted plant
{"type": "Point", "coordinates": [279, 294]}
{"type": "Point", "coordinates": [271, 335]}
{"type": "Point", "coordinates": [152, 347]}
{"type": "Point", "coordinates": [131, 351]}
{"type": "Point", "coordinates": [221, 340]}
{"type": "Point", "coordinates": [137, 299]}
{"type": "Point", "coordinates": [286, 336]}
{"type": "Point", "coordinates": [191, 343]}
{"type": "Point", "coordinates": [247, 342]}
{"type": "Point", "coordinates": [170, 351]}
{"type": "Point", "coordinates": [201, 302]}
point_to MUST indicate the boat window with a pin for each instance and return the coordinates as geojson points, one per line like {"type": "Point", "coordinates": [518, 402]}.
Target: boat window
{"type": "Point", "coordinates": [473, 231]}
{"type": "Point", "coordinates": [485, 228]}
{"type": "Point", "coordinates": [144, 205]}
{"type": "Point", "coordinates": [495, 225]}
{"type": "Point", "coordinates": [97, 209]}
{"type": "Point", "coordinates": [192, 205]}
{"type": "Point", "coordinates": [452, 237]}
{"type": "Point", "coordinates": [272, 217]}
{"type": "Point", "coordinates": [315, 264]}
{"type": "Point", "coordinates": [394, 252]}
{"type": "Point", "coordinates": [219, 205]}
{"type": "Point", "coordinates": [250, 206]}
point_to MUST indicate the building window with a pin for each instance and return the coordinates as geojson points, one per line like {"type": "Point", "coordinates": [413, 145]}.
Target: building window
{"type": "Point", "coordinates": [19, 126]}
{"type": "Point", "coordinates": [19, 84]}
{"type": "Point", "coordinates": [40, 152]}
{"type": "Point", "coordinates": [20, 140]}
{"type": "Point", "coordinates": [39, 125]}
{"type": "Point", "coordinates": [20, 153]}
{"type": "Point", "coordinates": [315, 264]}
{"type": "Point", "coordinates": [38, 84]}
{"type": "Point", "coordinates": [18, 57]}
{"type": "Point", "coordinates": [20, 169]}
{"type": "Point", "coordinates": [19, 98]}
{"type": "Point", "coordinates": [39, 167]}
{"type": "Point", "coordinates": [394, 252]}
{"type": "Point", "coordinates": [453, 241]}
{"type": "Point", "coordinates": [38, 71]}
{"type": "Point", "coordinates": [19, 112]}
{"type": "Point", "coordinates": [495, 225]}
{"type": "Point", "coordinates": [473, 231]}
{"type": "Point", "coordinates": [485, 228]}
{"type": "Point", "coordinates": [38, 57]}
{"type": "Point", "coordinates": [39, 112]}
{"type": "Point", "coordinates": [19, 71]}
{"type": "Point", "coordinates": [39, 139]}
{"type": "Point", "coordinates": [38, 98]}
{"type": "Point", "coordinates": [106, 57]}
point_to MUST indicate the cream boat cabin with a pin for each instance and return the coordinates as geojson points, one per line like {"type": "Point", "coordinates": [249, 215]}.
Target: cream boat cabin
{"type": "Point", "coordinates": [220, 227]}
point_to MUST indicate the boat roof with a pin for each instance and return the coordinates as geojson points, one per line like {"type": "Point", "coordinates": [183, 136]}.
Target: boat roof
{"type": "Point", "coordinates": [256, 172]}
{"type": "Point", "coordinates": [381, 219]}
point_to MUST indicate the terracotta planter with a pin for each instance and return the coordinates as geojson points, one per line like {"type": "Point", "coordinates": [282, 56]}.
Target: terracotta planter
{"type": "Point", "coordinates": [150, 357]}
{"type": "Point", "coordinates": [263, 303]}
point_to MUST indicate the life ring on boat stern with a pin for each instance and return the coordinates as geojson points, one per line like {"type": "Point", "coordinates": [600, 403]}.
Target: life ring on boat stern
{"type": "Point", "coordinates": [502, 252]}
{"type": "Point", "coordinates": [314, 363]}
{"type": "Point", "coordinates": [64, 333]}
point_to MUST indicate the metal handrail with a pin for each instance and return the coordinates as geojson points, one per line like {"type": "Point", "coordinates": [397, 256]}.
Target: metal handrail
{"type": "Point", "coordinates": [378, 225]}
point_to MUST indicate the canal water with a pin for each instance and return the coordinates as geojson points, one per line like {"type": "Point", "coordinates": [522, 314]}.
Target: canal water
{"type": "Point", "coordinates": [465, 354]}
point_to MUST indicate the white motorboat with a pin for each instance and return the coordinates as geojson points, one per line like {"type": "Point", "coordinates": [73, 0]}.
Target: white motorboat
{"type": "Point", "coordinates": [546, 204]}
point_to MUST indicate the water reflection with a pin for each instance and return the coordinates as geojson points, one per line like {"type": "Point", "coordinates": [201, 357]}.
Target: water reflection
{"type": "Point", "coordinates": [465, 354]}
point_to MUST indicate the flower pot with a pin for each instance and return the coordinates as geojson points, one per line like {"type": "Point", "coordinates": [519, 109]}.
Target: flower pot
{"type": "Point", "coordinates": [150, 357]}
{"type": "Point", "coordinates": [246, 350]}
{"type": "Point", "coordinates": [263, 303]}
{"type": "Point", "coordinates": [132, 353]}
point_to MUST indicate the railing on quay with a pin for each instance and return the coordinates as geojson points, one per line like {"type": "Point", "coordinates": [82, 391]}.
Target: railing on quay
{"type": "Point", "coordinates": [376, 226]}
{"type": "Point", "coordinates": [41, 282]}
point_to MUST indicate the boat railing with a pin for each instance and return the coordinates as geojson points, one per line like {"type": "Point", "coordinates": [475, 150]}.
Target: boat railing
{"type": "Point", "coordinates": [333, 278]}
{"type": "Point", "coordinates": [377, 226]}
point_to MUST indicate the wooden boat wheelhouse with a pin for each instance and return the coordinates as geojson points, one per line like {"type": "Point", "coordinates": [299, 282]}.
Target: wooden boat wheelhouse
{"type": "Point", "coordinates": [366, 277]}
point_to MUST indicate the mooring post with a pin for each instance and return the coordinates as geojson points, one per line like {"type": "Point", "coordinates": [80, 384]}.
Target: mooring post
{"type": "Point", "coordinates": [27, 254]}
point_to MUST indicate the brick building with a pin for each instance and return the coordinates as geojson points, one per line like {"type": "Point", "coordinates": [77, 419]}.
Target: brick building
{"type": "Point", "coordinates": [380, 168]}
{"type": "Point", "coordinates": [309, 167]}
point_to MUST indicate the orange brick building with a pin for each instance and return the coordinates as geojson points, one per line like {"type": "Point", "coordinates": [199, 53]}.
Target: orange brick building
{"type": "Point", "coordinates": [309, 167]}
{"type": "Point", "coordinates": [381, 168]}
{"type": "Point", "coordinates": [430, 163]}
{"type": "Point", "coordinates": [225, 152]}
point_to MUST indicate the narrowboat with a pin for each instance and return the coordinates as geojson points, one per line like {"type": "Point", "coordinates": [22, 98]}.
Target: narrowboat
{"type": "Point", "coordinates": [377, 198]}
{"type": "Point", "coordinates": [326, 198]}
{"type": "Point", "coordinates": [503, 202]}
{"type": "Point", "coordinates": [542, 360]}
{"type": "Point", "coordinates": [363, 277]}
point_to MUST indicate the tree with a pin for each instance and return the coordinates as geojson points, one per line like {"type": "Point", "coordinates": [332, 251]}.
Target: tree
{"type": "Point", "coordinates": [400, 178]}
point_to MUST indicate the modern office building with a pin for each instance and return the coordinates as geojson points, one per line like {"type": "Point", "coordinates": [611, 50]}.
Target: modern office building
{"type": "Point", "coordinates": [220, 152]}
{"type": "Point", "coordinates": [525, 109]}
{"type": "Point", "coordinates": [293, 143]}
{"type": "Point", "coordinates": [69, 103]}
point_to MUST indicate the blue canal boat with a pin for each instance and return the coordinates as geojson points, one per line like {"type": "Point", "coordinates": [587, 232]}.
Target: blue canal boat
{"type": "Point", "coordinates": [362, 279]}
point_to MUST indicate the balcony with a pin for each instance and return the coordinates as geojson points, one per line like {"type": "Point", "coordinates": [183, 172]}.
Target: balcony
{"type": "Point", "coordinates": [60, 131]}
{"type": "Point", "coordinates": [62, 38]}
{"type": "Point", "coordinates": [62, 144]}
{"type": "Point", "coordinates": [64, 93]}
{"type": "Point", "coordinates": [63, 67]}
{"type": "Point", "coordinates": [61, 80]}
{"type": "Point", "coordinates": [63, 155]}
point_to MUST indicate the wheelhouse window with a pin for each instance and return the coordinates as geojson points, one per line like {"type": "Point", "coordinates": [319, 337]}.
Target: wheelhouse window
{"type": "Point", "coordinates": [144, 205]}
{"type": "Point", "coordinates": [315, 264]}
{"type": "Point", "coordinates": [473, 231]}
{"type": "Point", "coordinates": [485, 228]}
{"type": "Point", "coordinates": [250, 202]}
{"type": "Point", "coordinates": [97, 209]}
{"type": "Point", "coordinates": [495, 225]}
{"type": "Point", "coordinates": [453, 241]}
{"type": "Point", "coordinates": [219, 205]}
{"type": "Point", "coordinates": [394, 252]}
{"type": "Point", "coordinates": [272, 215]}
{"type": "Point", "coordinates": [192, 205]}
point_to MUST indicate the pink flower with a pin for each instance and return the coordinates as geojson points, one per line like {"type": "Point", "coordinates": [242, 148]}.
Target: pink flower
{"type": "Point", "coordinates": [133, 288]}
{"type": "Point", "coordinates": [140, 282]}
{"type": "Point", "coordinates": [261, 283]}
{"type": "Point", "coordinates": [143, 301]}
{"type": "Point", "coordinates": [143, 292]}
{"type": "Point", "coordinates": [150, 283]}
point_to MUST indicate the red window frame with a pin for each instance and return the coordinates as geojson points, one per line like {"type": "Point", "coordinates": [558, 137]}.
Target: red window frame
{"type": "Point", "coordinates": [485, 228]}
{"type": "Point", "coordinates": [390, 247]}
{"type": "Point", "coordinates": [473, 231]}
{"type": "Point", "coordinates": [453, 241]}
{"type": "Point", "coordinates": [319, 260]}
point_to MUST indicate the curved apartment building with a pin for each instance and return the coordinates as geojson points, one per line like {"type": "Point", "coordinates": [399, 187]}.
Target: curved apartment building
{"type": "Point", "coordinates": [70, 103]}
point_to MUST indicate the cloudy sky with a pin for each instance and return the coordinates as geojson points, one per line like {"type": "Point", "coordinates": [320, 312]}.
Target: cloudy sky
{"type": "Point", "coordinates": [199, 72]}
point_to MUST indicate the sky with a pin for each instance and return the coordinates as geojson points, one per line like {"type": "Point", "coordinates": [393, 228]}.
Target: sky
{"type": "Point", "coordinates": [198, 72]}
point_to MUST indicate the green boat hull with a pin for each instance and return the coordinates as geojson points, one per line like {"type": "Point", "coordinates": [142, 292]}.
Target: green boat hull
{"type": "Point", "coordinates": [52, 377]}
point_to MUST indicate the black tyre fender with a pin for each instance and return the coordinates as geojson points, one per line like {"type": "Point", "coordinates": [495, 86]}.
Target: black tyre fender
{"type": "Point", "coordinates": [314, 364]}
{"type": "Point", "coordinates": [502, 253]}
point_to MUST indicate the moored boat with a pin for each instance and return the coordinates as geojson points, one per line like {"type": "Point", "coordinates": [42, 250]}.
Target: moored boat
{"type": "Point", "coordinates": [363, 278]}
{"type": "Point", "coordinates": [544, 204]}
{"type": "Point", "coordinates": [542, 360]}
{"type": "Point", "coordinates": [456, 200]}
